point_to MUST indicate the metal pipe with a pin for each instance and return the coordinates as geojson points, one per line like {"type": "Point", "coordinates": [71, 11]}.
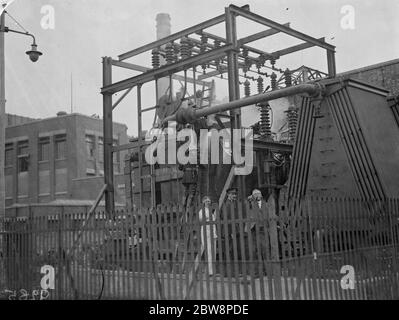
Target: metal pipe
{"type": "Point", "coordinates": [189, 115]}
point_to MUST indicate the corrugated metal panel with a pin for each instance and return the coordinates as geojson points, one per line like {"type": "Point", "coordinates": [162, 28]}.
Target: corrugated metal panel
{"type": "Point", "coordinates": [302, 150]}
{"type": "Point", "coordinates": [352, 137]}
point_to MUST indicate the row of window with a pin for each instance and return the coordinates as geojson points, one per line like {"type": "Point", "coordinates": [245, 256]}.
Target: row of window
{"type": "Point", "coordinates": [60, 150]}
{"type": "Point", "coordinates": [43, 151]}
{"type": "Point", "coordinates": [91, 148]}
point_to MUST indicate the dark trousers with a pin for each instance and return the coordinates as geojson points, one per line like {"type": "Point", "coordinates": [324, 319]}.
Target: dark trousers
{"type": "Point", "coordinates": [256, 251]}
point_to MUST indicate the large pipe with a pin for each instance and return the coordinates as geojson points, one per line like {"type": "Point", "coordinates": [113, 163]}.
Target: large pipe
{"type": "Point", "coordinates": [189, 115]}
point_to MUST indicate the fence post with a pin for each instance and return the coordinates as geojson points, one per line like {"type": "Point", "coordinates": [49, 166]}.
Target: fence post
{"type": "Point", "coordinates": [60, 254]}
{"type": "Point", "coordinates": [274, 245]}
{"type": "Point", "coordinates": [391, 219]}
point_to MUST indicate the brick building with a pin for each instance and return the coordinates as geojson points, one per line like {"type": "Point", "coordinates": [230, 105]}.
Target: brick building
{"type": "Point", "coordinates": [385, 74]}
{"type": "Point", "coordinates": [58, 158]}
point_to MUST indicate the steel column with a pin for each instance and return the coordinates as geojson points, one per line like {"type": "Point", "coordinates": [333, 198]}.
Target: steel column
{"type": "Point", "coordinates": [332, 72]}
{"type": "Point", "coordinates": [233, 81]}
{"type": "Point", "coordinates": [108, 141]}
{"type": "Point", "coordinates": [232, 65]}
{"type": "Point", "coordinates": [2, 117]}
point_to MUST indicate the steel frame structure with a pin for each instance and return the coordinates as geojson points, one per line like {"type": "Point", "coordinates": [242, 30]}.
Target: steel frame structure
{"type": "Point", "coordinates": [229, 50]}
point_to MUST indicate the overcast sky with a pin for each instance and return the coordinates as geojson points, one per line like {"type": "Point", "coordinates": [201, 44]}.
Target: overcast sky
{"type": "Point", "coordinates": [86, 30]}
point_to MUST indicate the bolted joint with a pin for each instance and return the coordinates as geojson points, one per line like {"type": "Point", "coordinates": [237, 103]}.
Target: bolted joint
{"type": "Point", "coordinates": [186, 115]}
{"type": "Point", "coordinates": [319, 92]}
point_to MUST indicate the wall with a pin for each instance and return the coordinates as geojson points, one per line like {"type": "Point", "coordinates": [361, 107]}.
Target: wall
{"type": "Point", "coordinates": [384, 74]}
{"type": "Point", "coordinates": [56, 173]}
{"type": "Point", "coordinates": [89, 188]}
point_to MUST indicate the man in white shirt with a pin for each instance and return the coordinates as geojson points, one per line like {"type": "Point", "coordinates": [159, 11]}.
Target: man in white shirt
{"type": "Point", "coordinates": [207, 218]}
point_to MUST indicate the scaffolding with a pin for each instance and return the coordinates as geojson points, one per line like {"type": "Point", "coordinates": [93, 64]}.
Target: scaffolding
{"type": "Point", "coordinates": [226, 55]}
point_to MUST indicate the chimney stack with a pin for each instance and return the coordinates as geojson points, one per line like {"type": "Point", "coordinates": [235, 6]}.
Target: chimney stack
{"type": "Point", "coordinates": [163, 30]}
{"type": "Point", "coordinates": [163, 25]}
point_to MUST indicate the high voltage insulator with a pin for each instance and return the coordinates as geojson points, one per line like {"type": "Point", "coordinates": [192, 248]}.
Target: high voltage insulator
{"type": "Point", "coordinates": [204, 43]}
{"type": "Point", "coordinates": [185, 48]}
{"type": "Point", "coordinates": [265, 124]}
{"type": "Point", "coordinates": [176, 51]}
{"type": "Point", "coordinates": [245, 55]}
{"type": "Point", "coordinates": [216, 44]}
{"type": "Point", "coordinates": [287, 78]}
{"type": "Point", "coordinates": [169, 53]}
{"type": "Point", "coordinates": [260, 62]}
{"type": "Point", "coordinates": [292, 118]}
{"type": "Point", "coordinates": [272, 61]}
{"type": "Point", "coordinates": [247, 88]}
{"type": "Point", "coordinates": [203, 46]}
{"type": "Point", "coordinates": [260, 84]}
{"type": "Point", "coordinates": [273, 81]}
{"type": "Point", "coordinates": [156, 62]}
{"type": "Point", "coordinates": [247, 60]}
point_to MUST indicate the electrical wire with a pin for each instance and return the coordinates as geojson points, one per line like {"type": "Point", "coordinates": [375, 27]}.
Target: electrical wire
{"type": "Point", "coordinates": [12, 18]}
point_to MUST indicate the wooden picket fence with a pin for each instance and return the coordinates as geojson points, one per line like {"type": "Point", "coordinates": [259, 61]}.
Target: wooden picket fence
{"type": "Point", "coordinates": [315, 248]}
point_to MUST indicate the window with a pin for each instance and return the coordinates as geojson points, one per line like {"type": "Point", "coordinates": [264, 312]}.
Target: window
{"type": "Point", "coordinates": [44, 149]}
{"type": "Point", "coordinates": [23, 147]}
{"type": "Point", "coordinates": [90, 146]}
{"type": "Point", "coordinates": [60, 146]}
{"type": "Point", "coordinates": [8, 158]}
{"type": "Point", "coordinates": [23, 156]}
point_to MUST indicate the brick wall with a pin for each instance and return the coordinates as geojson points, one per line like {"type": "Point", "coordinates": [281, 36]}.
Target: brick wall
{"type": "Point", "coordinates": [384, 74]}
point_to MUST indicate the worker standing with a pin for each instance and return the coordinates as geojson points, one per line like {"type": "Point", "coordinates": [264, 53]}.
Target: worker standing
{"type": "Point", "coordinates": [254, 228]}
{"type": "Point", "coordinates": [208, 233]}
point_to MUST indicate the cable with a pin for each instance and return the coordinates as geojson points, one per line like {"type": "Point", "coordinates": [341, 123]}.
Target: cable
{"type": "Point", "coordinates": [16, 22]}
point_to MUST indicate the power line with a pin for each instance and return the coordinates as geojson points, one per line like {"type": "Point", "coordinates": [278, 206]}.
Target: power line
{"type": "Point", "coordinates": [12, 18]}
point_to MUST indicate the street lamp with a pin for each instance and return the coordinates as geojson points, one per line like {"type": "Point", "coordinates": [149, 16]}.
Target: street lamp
{"type": "Point", "coordinates": [34, 55]}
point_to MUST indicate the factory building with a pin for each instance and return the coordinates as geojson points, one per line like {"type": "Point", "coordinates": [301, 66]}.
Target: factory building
{"type": "Point", "coordinates": [58, 159]}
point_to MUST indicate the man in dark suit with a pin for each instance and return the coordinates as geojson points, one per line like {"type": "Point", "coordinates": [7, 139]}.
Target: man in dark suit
{"type": "Point", "coordinates": [255, 230]}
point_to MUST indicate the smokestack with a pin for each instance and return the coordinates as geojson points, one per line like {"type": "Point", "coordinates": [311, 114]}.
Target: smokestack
{"type": "Point", "coordinates": [163, 30]}
{"type": "Point", "coordinates": [163, 25]}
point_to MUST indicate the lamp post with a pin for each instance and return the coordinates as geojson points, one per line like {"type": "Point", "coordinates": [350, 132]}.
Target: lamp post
{"type": "Point", "coordinates": [34, 55]}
